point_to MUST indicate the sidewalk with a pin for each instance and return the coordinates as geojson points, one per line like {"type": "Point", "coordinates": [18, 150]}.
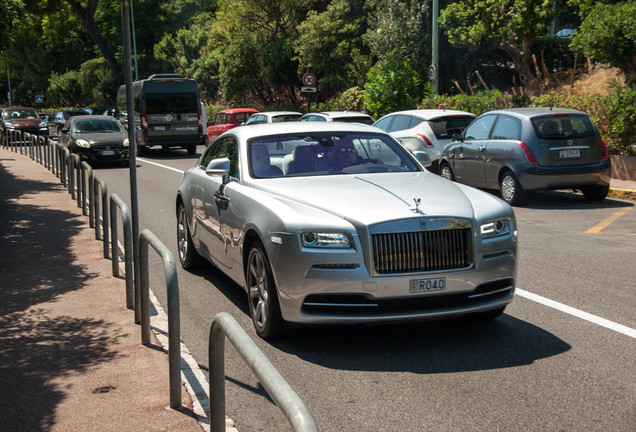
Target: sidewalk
{"type": "Point", "coordinates": [70, 354]}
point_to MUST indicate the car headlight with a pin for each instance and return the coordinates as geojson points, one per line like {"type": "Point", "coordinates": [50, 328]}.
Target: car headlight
{"type": "Point", "coordinates": [126, 142]}
{"type": "Point", "coordinates": [42, 125]}
{"type": "Point", "coordinates": [83, 143]}
{"type": "Point", "coordinates": [495, 228]}
{"type": "Point", "coordinates": [317, 239]}
{"type": "Point", "coordinates": [10, 125]}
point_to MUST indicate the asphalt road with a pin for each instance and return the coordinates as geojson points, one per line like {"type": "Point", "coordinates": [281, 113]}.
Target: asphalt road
{"type": "Point", "coordinates": [560, 358]}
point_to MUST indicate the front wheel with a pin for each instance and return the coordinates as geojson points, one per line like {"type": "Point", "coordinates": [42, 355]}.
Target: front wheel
{"type": "Point", "coordinates": [446, 172]}
{"type": "Point", "coordinates": [262, 296]}
{"type": "Point", "coordinates": [511, 190]}
{"type": "Point", "coordinates": [192, 148]}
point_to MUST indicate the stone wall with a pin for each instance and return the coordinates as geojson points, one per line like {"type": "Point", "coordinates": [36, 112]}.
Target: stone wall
{"type": "Point", "coordinates": [623, 167]}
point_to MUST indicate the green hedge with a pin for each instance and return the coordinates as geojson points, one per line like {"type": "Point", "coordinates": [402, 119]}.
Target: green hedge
{"type": "Point", "coordinates": [614, 115]}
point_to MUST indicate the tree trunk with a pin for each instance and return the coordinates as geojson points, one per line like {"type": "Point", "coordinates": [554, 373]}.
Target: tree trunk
{"type": "Point", "coordinates": [87, 16]}
{"type": "Point", "coordinates": [522, 67]}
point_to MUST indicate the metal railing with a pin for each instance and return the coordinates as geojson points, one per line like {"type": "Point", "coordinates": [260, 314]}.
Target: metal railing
{"type": "Point", "coordinates": [115, 203]}
{"type": "Point", "coordinates": [146, 237]}
{"type": "Point", "coordinates": [224, 325]}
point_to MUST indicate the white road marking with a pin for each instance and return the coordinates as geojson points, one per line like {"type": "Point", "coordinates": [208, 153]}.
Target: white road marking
{"type": "Point", "coordinates": [160, 165]}
{"type": "Point", "coordinates": [577, 313]}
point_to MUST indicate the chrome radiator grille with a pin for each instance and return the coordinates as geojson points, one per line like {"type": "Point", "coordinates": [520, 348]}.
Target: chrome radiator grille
{"type": "Point", "coordinates": [420, 251]}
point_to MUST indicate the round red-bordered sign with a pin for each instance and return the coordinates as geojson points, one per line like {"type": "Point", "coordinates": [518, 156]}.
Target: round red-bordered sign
{"type": "Point", "coordinates": [309, 80]}
{"type": "Point", "coordinates": [432, 73]}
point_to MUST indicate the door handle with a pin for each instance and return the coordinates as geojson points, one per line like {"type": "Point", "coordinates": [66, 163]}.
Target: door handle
{"type": "Point", "coordinates": [221, 200]}
{"type": "Point", "coordinates": [481, 148]}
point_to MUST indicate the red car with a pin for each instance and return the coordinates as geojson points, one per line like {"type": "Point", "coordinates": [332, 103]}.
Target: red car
{"type": "Point", "coordinates": [226, 120]}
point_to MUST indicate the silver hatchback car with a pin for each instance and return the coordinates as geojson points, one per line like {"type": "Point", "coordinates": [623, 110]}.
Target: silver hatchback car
{"type": "Point", "coordinates": [523, 149]}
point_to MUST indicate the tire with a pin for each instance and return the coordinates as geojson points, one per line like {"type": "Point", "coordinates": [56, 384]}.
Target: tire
{"type": "Point", "coordinates": [141, 150]}
{"type": "Point", "coordinates": [188, 256]}
{"type": "Point", "coordinates": [262, 295]}
{"type": "Point", "coordinates": [511, 190]}
{"type": "Point", "coordinates": [446, 172]}
{"type": "Point", "coordinates": [595, 193]}
{"type": "Point", "coordinates": [192, 148]}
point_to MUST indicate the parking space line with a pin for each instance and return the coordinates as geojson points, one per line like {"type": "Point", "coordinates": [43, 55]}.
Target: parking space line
{"type": "Point", "coordinates": [608, 221]}
{"type": "Point", "coordinates": [577, 313]}
{"type": "Point", "coordinates": [160, 165]}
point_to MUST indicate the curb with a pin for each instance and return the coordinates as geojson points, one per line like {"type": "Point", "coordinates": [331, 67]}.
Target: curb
{"type": "Point", "coordinates": [628, 194]}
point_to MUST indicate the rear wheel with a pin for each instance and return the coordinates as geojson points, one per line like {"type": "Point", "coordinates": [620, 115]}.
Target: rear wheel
{"type": "Point", "coordinates": [595, 193]}
{"type": "Point", "coordinates": [188, 256]}
{"type": "Point", "coordinates": [262, 296]}
{"type": "Point", "coordinates": [511, 190]}
{"type": "Point", "coordinates": [446, 172]}
{"type": "Point", "coordinates": [192, 148]}
{"type": "Point", "coordinates": [141, 150]}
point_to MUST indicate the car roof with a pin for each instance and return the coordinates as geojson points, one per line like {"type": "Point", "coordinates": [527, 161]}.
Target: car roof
{"type": "Point", "coordinates": [268, 129]}
{"type": "Point", "coordinates": [430, 114]}
{"type": "Point", "coordinates": [341, 113]}
{"type": "Point", "coordinates": [279, 112]}
{"type": "Point", "coordinates": [93, 116]}
{"type": "Point", "coordinates": [534, 112]}
{"type": "Point", "coordinates": [238, 110]}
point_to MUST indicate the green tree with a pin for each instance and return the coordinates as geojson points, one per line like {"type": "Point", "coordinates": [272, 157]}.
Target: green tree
{"type": "Point", "coordinates": [508, 25]}
{"type": "Point", "coordinates": [608, 35]}
{"type": "Point", "coordinates": [393, 85]}
{"type": "Point", "coordinates": [330, 45]}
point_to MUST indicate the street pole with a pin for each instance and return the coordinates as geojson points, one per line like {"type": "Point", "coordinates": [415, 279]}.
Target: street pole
{"type": "Point", "coordinates": [132, 143]}
{"type": "Point", "coordinates": [435, 47]}
{"type": "Point", "coordinates": [132, 18]}
{"type": "Point", "coordinates": [6, 58]}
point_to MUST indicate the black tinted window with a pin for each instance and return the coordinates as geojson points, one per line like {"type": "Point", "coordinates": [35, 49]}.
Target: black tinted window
{"type": "Point", "coordinates": [445, 127]}
{"type": "Point", "coordinates": [162, 103]}
{"type": "Point", "coordinates": [561, 126]}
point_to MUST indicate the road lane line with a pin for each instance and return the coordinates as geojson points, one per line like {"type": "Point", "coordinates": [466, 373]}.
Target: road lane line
{"type": "Point", "coordinates": [160, 165]}
{"type": "Point", "coordinates": [608, 221]}
{"type": "Point", "coordinates": [577, 313]}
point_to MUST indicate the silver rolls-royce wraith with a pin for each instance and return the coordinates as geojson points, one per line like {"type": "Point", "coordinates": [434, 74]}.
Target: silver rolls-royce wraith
{"type": "Point", "coordinates": [336, 223]}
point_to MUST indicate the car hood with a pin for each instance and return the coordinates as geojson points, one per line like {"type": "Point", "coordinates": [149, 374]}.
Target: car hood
{"type": "Point", "coordinates": [102, 137]}
{"type": "Point", "coordinates": [24, 122]}
{"type": "Point", "coordinates": [372, 198]}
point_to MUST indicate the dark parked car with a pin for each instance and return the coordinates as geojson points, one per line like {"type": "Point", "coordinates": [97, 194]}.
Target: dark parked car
{"type": "Point", "coordinates": [58, 121]}
{"type": "Point", "coordinates": [22, 119]}
{"type": "Point", "coordinates": [523, 149]}
{"type": "Point", "coordinates": [96, 138]}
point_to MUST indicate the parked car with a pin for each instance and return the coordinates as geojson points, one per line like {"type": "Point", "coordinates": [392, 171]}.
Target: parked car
{"type": "Point", "coordinates": [95, 138]}
{"type": "Point", "coordinates": [340, 116]}
{"type": "Point", "coordinates": [523, 149]}
{"type": "Point", "coordinates": [427, 130]}
{"type": "Point", "coordinates": [273, 117]}
{"type": "Point", "coordinates": [228, 119]}
{"type": "Point", "coordinates": [22, 119]}
{"type": "Point", "coordinates": [336, 223]}
{"type": "Point", "coordinates": [58, 121]}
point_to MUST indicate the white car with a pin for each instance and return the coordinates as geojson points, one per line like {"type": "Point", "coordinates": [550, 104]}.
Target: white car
{"type": "Point", "coordinates": [336, 223]}
{"type": "Point", "coordinates": [339, 116]}
{"type": "Point", "coordinates": [427, 130]}
{"type": "Point", "coordinates": [273, 117]}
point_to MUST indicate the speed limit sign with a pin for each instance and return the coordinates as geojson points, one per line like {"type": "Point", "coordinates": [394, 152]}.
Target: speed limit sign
{"type": "Point", "coordinates": [309, 80]}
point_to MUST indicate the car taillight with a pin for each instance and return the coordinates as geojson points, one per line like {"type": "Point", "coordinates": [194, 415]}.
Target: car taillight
{"type": "Point", "coordinates": [427, 141]}
{"type": "Point", "coordinates": [200, 118]}
{"type": "Point", "coordinates": [604, 152]}
{"type": "Point", "coordinates": [144, 120]}
{"type": "Point", "coordinates": [528, 153]}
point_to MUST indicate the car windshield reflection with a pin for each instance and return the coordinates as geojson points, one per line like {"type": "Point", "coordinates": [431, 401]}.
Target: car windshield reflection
{"type": "Point", "coordinates": [326, 154]}
{"type": "Point", "coordinates": [96, 126]}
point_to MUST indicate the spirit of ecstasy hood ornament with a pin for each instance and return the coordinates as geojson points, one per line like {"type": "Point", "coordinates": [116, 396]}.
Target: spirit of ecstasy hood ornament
{"type": "Point", "coordinates": [417, 204]}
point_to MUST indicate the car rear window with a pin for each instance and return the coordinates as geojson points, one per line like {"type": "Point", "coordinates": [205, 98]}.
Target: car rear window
{"type": "Point", "coordinates": [559, 126]}
{"type": "Point", "coordinates": [445, 127]}
{"type": "Point", "coordinates": [175, 103]}
{"type": "Point", "coordinates": [363, 120]}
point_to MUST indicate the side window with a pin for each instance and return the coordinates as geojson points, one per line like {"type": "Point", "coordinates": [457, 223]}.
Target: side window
{"type": "Point", "coordinates": [480, 129]}
{"type": "Point", "coordinates": [401, 122]}
{"type": "Point", "coordinates": [508, 128]}
{"type": "Point", "coordinates": [226, 147]}
{"type": "Point", "coordinates": [384, 124]}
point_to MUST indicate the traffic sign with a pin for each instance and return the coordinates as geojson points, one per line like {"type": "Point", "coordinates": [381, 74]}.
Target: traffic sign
{"type": "Point", "coordinates": [39, 99]}
{"type": "Point", "coordinates": [308, 89]}
{"type": "Point", "coordinates": [309, 80]}
{"type": "Point", "coordinates": [432, 73]}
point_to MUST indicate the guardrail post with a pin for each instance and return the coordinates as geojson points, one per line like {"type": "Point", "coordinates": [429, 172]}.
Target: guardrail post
{"type": "Point", "coordinates": [116, 201]}
{"type": "Point", "coordinates": [224, 324]}
{"type": "Point", "coordinates": [174, 332]}
{"type": "Point", "coordinates": [86, 172]}
{"type": "Point", "coordinates": [99, 184]}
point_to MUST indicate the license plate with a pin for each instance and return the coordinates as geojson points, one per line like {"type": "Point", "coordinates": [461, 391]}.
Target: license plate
{"type": "Point", "coordinates": [427, 285]}
{"type": "Point", "coordinates": [569, 153]}
{"type": "Point", "coordinates": [108, 153]}
{"type": "Point", "coordinates": [159, 128]}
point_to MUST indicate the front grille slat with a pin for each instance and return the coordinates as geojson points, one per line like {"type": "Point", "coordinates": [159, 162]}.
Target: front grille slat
{"type": "Point", "coordinates": [420, 251]}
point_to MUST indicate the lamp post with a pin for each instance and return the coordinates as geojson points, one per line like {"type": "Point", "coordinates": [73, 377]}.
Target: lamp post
{"type": "Point", "coordinates": [435, 47]}
{"type": "Point", "coordinates": [134, 41]}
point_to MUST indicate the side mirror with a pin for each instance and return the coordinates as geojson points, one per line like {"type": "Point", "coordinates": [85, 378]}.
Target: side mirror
{"type": "Point", "coordinates": [219, 168]}
{"type": "Point", "coordinates": [423, 158]}
{"type": "Point", "coordinates": [64, 131]}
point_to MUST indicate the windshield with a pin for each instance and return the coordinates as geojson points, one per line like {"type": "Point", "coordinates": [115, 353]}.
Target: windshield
{"type": "Point", "coordinates": [96, 126]}
{"type": "Point", "coordinates": [327, 154]}
{"type": "Point", "coordinates": [20, 114]}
